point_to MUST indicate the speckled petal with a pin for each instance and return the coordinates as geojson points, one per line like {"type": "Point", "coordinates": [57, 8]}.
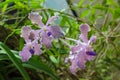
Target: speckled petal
{"type": "Point", "coordinates": [56, 31]}
{"type": "Point", "coordinates": [36, 18]}
{"type": "Point", "coordinates": [81, 64]}
{"type": "Point", "coordinates": [37, 48]}
{"type": "Point", "coordinates": [73, 67]}
{"type": "Point", "coordinates": [25, 54]}
{"type": "Point", "coordinates": [84, 28]}
{"type": "Point", "coordinates": [25, 33]}
{"type": "Point", "coordinates": [75, 49]}
{"type": "Point", "coordinates": [46, 40]}
{"type": "Point", "coordinates": [81, 59]}
{"type": "Point", "coordinates": [88, 49]}
{"type": "Point", "coordinates": [28, 34]}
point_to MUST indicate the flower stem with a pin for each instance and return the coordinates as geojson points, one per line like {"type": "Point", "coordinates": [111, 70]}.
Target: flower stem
{"type": "Point", "coordinates": [66, 43]}
{"type": "Point", "coordinates": [71, 39]}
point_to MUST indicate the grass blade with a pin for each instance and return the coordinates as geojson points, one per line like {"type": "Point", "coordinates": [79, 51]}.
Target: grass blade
{"type": "Point", "coordinates": [38, 65]}
{"type": "Point", "coordinates": [15, 61]}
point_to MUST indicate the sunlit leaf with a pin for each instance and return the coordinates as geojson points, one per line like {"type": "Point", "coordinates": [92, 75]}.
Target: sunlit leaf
{"type": "Point", "coordinates": [53, 59]}
{"type": "Point", "coordinates": [85, 13]}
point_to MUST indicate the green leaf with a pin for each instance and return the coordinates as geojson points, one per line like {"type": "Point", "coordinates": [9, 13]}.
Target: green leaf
{"type": "Point", "coordinates": [34, 4]}
{"type": "Point", "coordinates": [1, 77]}
{"type": "Point", "coordinates": [3, 57]}
{"type": "Point", "coordinates": [85, 13]}
{"type": "Point", "coordinates": [80, 3]}
{"type": "Point", "coordinates": [53, 59]}
{"type": "Point", "coordinates": [15, 61]}
{"type": "Point", "coordinates": [112, 2]}
{"type": "Point", "coordinates": [12, 33]}
{"type": "Point", "coordinates": [38, 65]}
{"type": "Point", "coordinates": [7, 2]}
{"type": "Point", "coordinates": [4, 8]}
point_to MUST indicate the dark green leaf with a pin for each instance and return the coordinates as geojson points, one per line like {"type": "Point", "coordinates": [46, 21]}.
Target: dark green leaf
{"type": "Point", "coordinates": [38, 65]}
{"type": "Point", "coordinates": [15, 61]}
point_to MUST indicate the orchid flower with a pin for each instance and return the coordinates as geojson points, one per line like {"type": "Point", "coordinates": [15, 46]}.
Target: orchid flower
{"type": "Point", "coordinates": [35, 38]}
{"type": "Point", "coordinates": [32, 46]}
{"type": "Point", "coordinates": [47, 32]}
{"type": "Point", "coordinates": [82, 52]}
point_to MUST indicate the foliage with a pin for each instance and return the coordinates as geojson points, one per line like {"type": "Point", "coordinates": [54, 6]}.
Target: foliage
{"type": "Point", "coordinates": [103, 16]}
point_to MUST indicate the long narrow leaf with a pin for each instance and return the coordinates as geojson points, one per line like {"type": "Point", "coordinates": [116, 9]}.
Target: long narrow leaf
{"type": "Point", "coordinates": [15, 61]}
{"type": "Point", "coordinates": [3, 57]}
{"type": "Point", "coordinates": [38, 65]}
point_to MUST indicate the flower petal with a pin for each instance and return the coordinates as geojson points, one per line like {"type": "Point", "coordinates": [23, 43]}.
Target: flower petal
{"type": "Point", "coordinates": [33, 35]}
{"type": "Point", "coordinates": [37, 48]}
{"type": "Point", "coordinates": [73, 67]}
{"type": "Point", "coordinates": [81, 59]}
{"type": "Point", "coordinates": [28, 34]}
{"type": "Point", "coordinates": [25, 54]}
{"type": "Point", "coordinates": [56, 31]}
{"type": "Point", "coordinates": [50, 20]}
{"type": "Point", "coordinates": [25, 33]}
{"type": "Point", "coordinates": [32, 51]}
{"type": "Point", "coordinates": [93, 39]}
{"type": "Point", "coordinates": [76, 49]}
{"type": "Point", "coordinates": [36, 18]}
{"type": "Point", "coordinates": [84, 28]}
{"type": "Point", "coordinates": [91, 53]}
{"type": "Point", "coordinates": [89, 49]}
{"type": "Point", "coordinates": [46, 40]}
{"type": "Point", "coordinates": [49, 33]}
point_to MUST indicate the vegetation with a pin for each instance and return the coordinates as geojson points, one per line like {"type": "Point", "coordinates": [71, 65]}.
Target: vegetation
{"type": "Point", "coordinates": [103, 17]}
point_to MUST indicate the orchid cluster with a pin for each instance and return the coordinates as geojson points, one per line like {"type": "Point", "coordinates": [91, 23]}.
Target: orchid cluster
{"type": "Point", "coordinates": [82, 51]}
{"type": "Point", "coordinates": [35, 39]}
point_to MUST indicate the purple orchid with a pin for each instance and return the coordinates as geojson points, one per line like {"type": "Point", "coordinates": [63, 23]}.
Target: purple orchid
{"type": "Point", "coordinates": [82, 52]}
{"type": "Point", "coordinates": [32, 46]}
{"type": "Point", "coordinates": [35, 38]}
{"type": "Point", "coordinates": [47, 33]}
